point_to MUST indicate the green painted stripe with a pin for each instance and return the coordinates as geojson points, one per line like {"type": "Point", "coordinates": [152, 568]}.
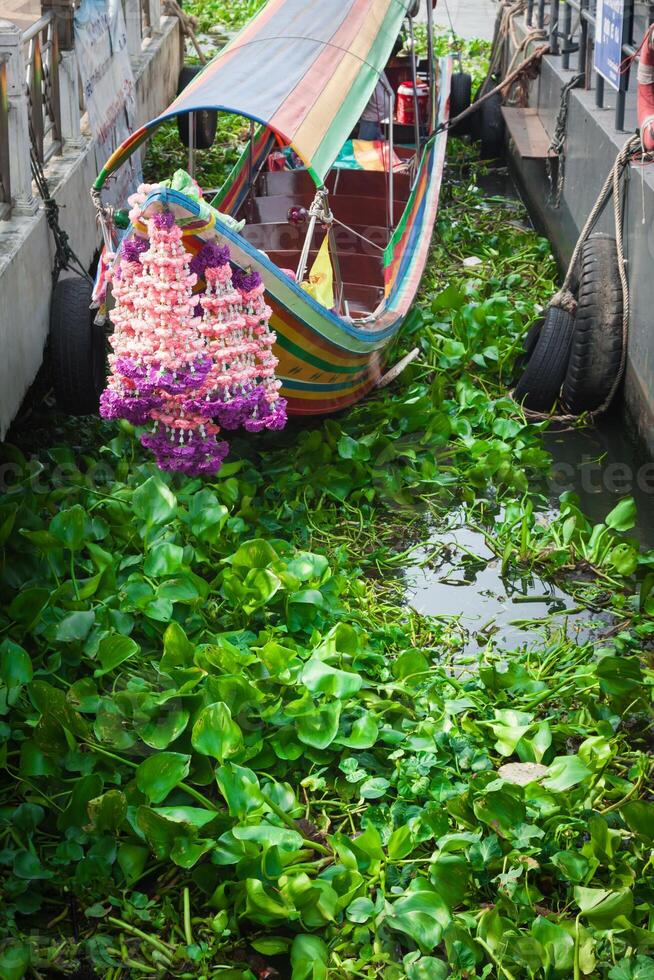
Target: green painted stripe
{"type": "Point", "coordinates": [299, 352]}
{"type": "Point", "coordinates": [312, 386]}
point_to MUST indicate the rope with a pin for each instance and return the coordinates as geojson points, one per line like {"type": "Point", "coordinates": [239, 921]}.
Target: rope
{"type": "Point", "coordinates": [65, 257]}
{"type": "Point", "coordinates": [524, 66]}
{"type": "Point", "coordinates": [610, 187]}
{"type": "Point", "coordinates": [557, 144]}
{"type": "Point", "coordinates": [173, 9]}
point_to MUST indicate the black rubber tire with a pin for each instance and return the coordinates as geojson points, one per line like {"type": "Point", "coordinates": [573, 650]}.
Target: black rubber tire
{"type": "Point", "coordinates": [460, 99]}
{"type": "Point", "coordinates": [205, 120]}
{"type": "Point", "coordinates": [529, 342]}
{"type": "Point", "coordinates": [78, 355]}
{"type": "Point", "coordinates": [540, 384]}
{"type": "Point", "coordinates": [492, 128]}
{"type": "Point", "coordinates": [597, 341]}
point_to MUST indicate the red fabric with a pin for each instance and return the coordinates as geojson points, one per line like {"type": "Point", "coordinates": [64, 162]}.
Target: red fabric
{"type": "Point", "coordinates": [646, 93]}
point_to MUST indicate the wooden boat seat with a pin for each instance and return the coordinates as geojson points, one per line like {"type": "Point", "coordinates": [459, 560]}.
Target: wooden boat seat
{"type": "Point", "coordinates": [364, 269]}
{"type": "Point", "coordinates": [282, 236]}
{"type": "Point", "coordinates": [339, 182]}
{"type": "Point", "coordinates": [349, 208]}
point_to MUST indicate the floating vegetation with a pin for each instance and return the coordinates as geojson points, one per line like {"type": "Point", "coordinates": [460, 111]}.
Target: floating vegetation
{"type": "Point", "coordinates": [232, 750]}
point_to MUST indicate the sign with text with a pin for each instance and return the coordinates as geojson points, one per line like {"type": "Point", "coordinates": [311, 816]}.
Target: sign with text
{"type": "Point", "coordinates": [108, 85]}
{"type": "Point", "coordinates": [608, 40]}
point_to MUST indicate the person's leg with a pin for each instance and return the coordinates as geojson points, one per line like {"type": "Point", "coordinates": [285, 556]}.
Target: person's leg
{"type": "Point", "coordinates": [370, 129]}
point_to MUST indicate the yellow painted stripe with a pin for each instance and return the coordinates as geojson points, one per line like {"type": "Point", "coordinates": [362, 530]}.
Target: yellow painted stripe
{"type": "Point", "coordinates": [312, 132]}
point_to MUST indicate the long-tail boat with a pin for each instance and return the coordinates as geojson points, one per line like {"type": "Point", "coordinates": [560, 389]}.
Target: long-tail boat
{"type": "Point", "coordinates": [302, 72]}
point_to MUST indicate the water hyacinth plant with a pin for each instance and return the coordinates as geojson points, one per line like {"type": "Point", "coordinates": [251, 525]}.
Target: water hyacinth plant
{"type": "Point", "coordinates": [230, 749]}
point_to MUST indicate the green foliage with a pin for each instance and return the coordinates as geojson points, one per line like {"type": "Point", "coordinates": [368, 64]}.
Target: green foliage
{"type": "Point", "coordinates": [229, 746]}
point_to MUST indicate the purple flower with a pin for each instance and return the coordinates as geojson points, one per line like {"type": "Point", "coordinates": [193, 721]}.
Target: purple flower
{"type": "Point", "coordinates": [209, 256]}
{"type": "Point", "coordinates": [133, 408]}
{"type": "Point", "coordinates": [246, 281]}
{"type": "Point", "coordinates": [132, 248]}
{"type": "Point", "coordinates": [165, 219]}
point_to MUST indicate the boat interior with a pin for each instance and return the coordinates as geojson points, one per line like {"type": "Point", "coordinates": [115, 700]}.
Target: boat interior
{"type": "Point", "coordinates": [359, 200]}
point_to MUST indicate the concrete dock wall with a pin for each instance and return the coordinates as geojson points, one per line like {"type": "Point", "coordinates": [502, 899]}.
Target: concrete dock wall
{"type": "Point", "coordinates": [26, 244]}
{"type": "Point", "coordinates": [591, 148]}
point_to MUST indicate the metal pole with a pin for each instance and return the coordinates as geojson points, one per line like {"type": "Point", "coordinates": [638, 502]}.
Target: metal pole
{"type": "Point", "coordinates": [432, 73]}
{"type": "Point", "coordinates": [567, 25]}
{"type": "Point", "coordinates": [583, 41]}
{"type": "Point", "coordinates": [337, 268]}
{"type": "Point", "coordinates": [191, 144]}
{"type": "Point", "coordinates": [599, 91]}
{"type": "Point", "coordinates": [391, 153]}
{"type": "Point", "coordinates": [541, 13]}
{"type": "Point", "coordinates": [414, 75]}
{"type": "Point", "coordinates": [621, 94]}
{"type": "Point", "coordinates": [530, 13]}
{"type": "Point", "coordinates": [554, 26]}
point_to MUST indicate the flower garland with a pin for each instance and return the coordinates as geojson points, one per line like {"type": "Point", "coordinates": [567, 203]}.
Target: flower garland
{"type": "Point", "coordinates": [190, 364]}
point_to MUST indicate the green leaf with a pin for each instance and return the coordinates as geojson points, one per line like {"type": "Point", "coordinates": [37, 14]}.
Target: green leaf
{"type": "Point", "coordinates": [75, 626]}
{"type": "Point", "coordinates": [215, 734]}
{"type": "Point", "coordinates": [363, 734]}
{"type": "Point", "coordinates": [426, 968]}
{"type": "Point", "coordinates": [320, 727]}
{"type": "Point", "coordinates": [132, 860]}
{"type": "Point", "coordinates": [166, 725]}
{"type": "Point", "coordinates": [601, 906]}
{"type": "Point", "coordinates": [69, 527]}
{"type": "Point", "coordinates": [564, 772]}
{"type": "Point", "coordinates": [178, 650]}
{"type": "Point", "coordinates": [160, 773]}
{"type": "Point", "coordinates": [623, 515]}
{"type": "Point", "coordinates": [420, 913]}
{"type": "Point", "coordinates": [320, 678]}
{"type": "Point", "coordinates": [14, 961]}
{"type": "Point", "coordinates": [240, 788]}
{"type": "Point", "coordinates": [164, 558]}
{"type": "Point", "coordinates": [108, 811]}
{"type": "Point", "coordinates": [113, 651]}
{"type": "Point", "coordinates": [633, 968]}
{"type": "Point", "coordinates": [254, 554]}
{"type": "Point", "coordinates": [639, 817]}
{"type": "Point", "coordinates": [154, 503]}
{"type": "Point", "coordinates": [309, 958]}
{"type": "Point", "coordinates": [15, 664]}
{"type": "Point", "coordinates": [208, 516]}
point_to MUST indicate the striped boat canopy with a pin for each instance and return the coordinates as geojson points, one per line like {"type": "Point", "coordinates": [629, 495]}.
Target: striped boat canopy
{"type": "Point", "coordinates": [304, 68]}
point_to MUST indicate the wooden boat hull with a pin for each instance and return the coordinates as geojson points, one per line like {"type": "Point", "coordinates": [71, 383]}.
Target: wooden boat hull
{"type": "Point", "coordinates": [326, 362]}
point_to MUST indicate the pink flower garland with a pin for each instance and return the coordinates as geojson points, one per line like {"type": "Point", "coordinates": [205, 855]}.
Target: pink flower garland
{"type": "Point", "coordinates": [189, 367]}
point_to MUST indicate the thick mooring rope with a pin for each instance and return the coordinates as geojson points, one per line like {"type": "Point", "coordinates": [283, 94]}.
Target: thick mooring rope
{"type": "Point", "coordinates": [565, 298]}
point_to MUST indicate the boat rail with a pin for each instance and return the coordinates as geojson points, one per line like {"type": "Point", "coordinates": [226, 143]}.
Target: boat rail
{"type": "Point", "coordinates": [571, 24]}
{"type": "Point", "coordinates": [42, 106]}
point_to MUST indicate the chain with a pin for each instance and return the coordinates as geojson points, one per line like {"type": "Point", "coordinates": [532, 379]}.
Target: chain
{"type": "Point", "coordinates": [65, 257]}
{"type": "Point", "coordinates": [557, 144]}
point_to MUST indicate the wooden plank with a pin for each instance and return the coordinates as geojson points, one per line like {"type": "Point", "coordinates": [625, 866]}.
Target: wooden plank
{"type": "Point", "coordinates": [527, 132]}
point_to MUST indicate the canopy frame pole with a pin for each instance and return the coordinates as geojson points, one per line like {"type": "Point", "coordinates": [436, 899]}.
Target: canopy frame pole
{"type": "Point", "coordinates": [430, 59]}
{"type": "Point", "coordinates": [191, 144]}
{"type": "Point", "coordinates": [391, 153]}
{"type": "Point", "coordinates": [321, 211]}
{"type": "Point", "coordinates": [414, 76]}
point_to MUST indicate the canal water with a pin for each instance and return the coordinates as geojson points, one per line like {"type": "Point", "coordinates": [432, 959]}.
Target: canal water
{"type": "Point", "coordinates": [600, 464]}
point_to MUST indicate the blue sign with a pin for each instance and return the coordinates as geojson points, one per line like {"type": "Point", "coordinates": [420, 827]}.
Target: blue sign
{"type": "Point", "coordinates": [608, 40]}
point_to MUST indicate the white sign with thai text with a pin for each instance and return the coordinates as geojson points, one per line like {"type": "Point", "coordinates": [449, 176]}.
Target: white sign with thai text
{"type": "Point", "coordinates": [108, 86]}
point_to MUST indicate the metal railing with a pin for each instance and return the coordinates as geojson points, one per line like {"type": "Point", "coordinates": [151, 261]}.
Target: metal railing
{"type": "Point", "coordinates": [41, 102]}
{"type": "Point", "coordinates": [5, 173]}
{"type": "Point", "coordinates": [41, 51]}
{"type": "Point", "coordinates": [571, 28]}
